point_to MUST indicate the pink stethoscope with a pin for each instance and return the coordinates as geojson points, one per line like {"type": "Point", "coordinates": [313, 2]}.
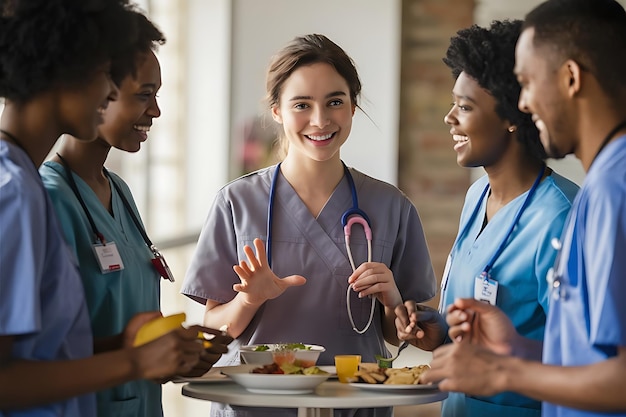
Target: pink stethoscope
{"type": "Point", "coordinates": [348, 219]}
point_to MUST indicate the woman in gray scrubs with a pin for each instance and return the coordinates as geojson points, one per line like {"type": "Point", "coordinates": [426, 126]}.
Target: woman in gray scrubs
{"type": "Point", "coordinates": [312, 88]}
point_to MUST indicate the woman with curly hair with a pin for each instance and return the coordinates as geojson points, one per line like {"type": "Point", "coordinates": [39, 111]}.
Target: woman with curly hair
{"type": "Point", "coordinates": [55, 78]}
{"type": "Point", "coordinates": [511, 216]}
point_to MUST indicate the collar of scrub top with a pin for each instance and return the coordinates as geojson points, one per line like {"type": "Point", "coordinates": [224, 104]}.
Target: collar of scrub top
{"type": "Point", "coordinates": [555, 274]}
{"type": "Point", "coordinates": [348, 218]}
{"type": "Point", "coordinates": [487, 268]}
{"type": "Point", "coordinates": [17, 143]}
{"type": "Point", "coordinates": [158, 261]}
{"type": "Point", "coordinates": [160, 265]}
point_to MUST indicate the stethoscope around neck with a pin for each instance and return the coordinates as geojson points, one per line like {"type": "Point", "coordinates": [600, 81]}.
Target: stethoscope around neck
{"type": "Point", "coordinates": [353, 215]}
{"type": "Point", "coordinates": [555, 275]}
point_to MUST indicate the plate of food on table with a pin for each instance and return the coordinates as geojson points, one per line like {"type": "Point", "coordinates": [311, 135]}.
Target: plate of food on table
{"type": "Point", "coordinates": [288, 371]}
{"type": "Point", "coordinates": [372, 377]}
{"type": "Point", "coordinates": [277, 379]}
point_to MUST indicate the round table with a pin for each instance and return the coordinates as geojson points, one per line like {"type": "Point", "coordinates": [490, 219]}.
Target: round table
{"type": "Point", "coordinates": [327, 396]}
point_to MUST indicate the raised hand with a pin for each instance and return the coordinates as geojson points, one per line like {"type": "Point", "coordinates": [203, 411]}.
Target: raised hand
{"type": "Point", "coordinates": [421, 325]}
{"type": "Point", "coordinates": [258, 281]}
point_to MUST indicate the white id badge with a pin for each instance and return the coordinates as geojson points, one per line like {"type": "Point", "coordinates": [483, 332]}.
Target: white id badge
{"type": "Point", "coordinates": [444, 283]}
{"type": "Point", "coordinates": [485, 289]}
{"type": "Point", "coordinates": [108, 257]}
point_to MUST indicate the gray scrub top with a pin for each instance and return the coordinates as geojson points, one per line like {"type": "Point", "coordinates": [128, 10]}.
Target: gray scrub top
{"type": "Point", "coordinates": [316, 312]}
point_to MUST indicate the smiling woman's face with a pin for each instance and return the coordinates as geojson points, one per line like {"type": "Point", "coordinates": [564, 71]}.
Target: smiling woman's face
{"type": "Point", "coordinates": [480, 135]}
{"type": "Point", "coordinates": [129, 118]}
{"type": "Point", "coordinates": [315, 111]}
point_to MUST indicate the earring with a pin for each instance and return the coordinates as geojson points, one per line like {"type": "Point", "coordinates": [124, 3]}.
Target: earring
{"type": "Point", "coordinates": [512, 129]}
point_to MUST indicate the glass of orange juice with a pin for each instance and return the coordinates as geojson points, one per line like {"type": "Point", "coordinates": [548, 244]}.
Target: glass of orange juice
{"type": "Point", "coordinates": [346, 366]}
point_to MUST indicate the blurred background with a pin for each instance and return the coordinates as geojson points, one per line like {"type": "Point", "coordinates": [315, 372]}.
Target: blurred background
{"type": "Point", "coordinates": [215, 127]}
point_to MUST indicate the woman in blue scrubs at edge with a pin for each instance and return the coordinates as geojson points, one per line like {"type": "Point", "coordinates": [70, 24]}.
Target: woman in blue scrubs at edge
{"type": "Point", "coordinates": [54, 80]}
{"type": "Point", "coordinates": [511, 217]}
{"type": "Point", "coordinates": [312, 92]}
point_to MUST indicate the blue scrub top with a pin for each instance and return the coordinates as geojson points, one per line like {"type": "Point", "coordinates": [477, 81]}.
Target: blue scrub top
{"type": "Point", "coordinates": [115, 297]}
{"type": "Point", "coordinates": [520, 271]}
{"type": "Point", "coordinates": [42, 303]}
{"type": "Point", "coordinates": [587, 320]}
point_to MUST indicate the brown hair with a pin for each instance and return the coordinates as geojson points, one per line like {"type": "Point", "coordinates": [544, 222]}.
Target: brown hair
{"type": "Point", "coordinates": [303, 51]}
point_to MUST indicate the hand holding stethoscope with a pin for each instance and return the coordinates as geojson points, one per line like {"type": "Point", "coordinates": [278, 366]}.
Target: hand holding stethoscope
{"type": "Point", "coordinates": [258, 282]}
{"type": "Point", "coordinates": [376, 279]}
{"type": "Point", "coordinates": [370, 278]}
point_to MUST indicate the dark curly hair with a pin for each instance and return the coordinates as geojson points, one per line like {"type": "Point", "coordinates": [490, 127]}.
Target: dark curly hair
{"type": "Point", "coordinates": [590, 32]}
{"type": "Point", "coordinates": [44, 43]}
{"type": "Point", "coordinates": [488, 56]}
{"type": "Point", "coordinates": [148, 38]}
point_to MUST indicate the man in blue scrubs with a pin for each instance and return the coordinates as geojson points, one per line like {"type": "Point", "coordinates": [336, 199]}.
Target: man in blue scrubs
{"type": "Point", "coordinates": [569, 62]}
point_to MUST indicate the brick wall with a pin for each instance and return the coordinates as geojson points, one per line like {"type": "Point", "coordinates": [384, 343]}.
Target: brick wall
{"type": "Point", "coordinates": [428, 172]}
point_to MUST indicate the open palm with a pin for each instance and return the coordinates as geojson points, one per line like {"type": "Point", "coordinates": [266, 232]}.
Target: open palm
{"type": "Point", "coordinates": [258, 281]}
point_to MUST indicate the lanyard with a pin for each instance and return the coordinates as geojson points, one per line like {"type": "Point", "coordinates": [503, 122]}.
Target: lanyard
{"type": "Point", "coordinates": [500, 249]}
{"type": "Point", "coordinates": [70, 179]}
{"type": "Point", "coordinates": [129, 209]}
{"type": "Point", "coordinates": [158, 261]}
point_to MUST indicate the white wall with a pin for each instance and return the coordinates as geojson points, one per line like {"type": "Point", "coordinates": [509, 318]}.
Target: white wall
{"type": "Point", "coordinates": [368, 30]}
{"type": "Point", "coordinates": [207, 97]}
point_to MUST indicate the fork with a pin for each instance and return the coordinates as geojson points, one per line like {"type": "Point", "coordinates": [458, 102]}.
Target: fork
{"type": "Point", "coordinates": [387, 362]}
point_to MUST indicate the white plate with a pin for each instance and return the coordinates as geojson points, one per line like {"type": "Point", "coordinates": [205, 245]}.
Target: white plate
{"type": "Point", "coordinates": [393, 387]}
{"type": "Point", "coordinates": [214, 375]}
{"type": "Point", "coordinates": [330, 369]}
{"type": "Point", "coordinates": [271, 383]}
